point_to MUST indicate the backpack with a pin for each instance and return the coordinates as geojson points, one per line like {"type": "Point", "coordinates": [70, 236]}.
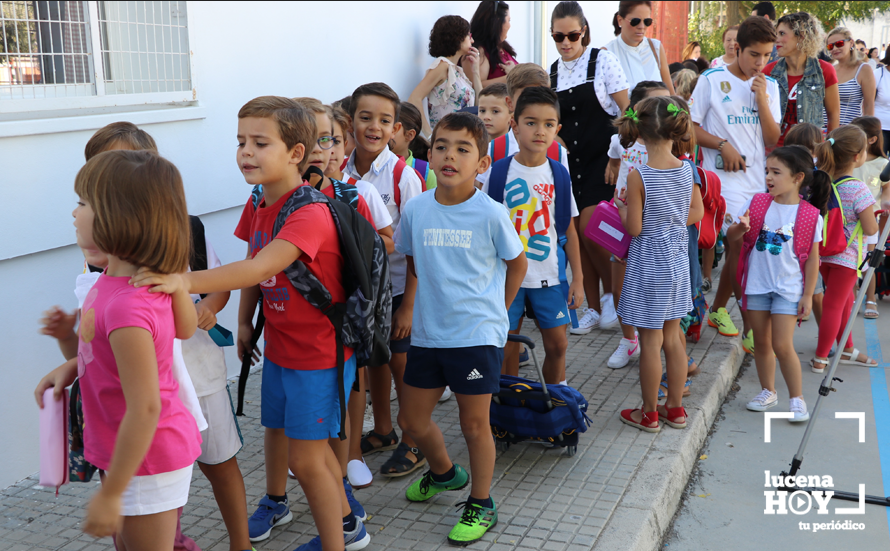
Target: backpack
{"type": "Point", "coordinates": [533, 418]}
{"type": "Point", "coordinates": [715, 209]}
{"type": "Point", "coordinates": [396, 179]}
{"type": "Point", "coordinates": [804, 232]}
{"type": "Point", "coordinates": [500, 146]}
{"type": "Point", "coordinates": [834, 240]}
{"type": "Point", "coordinates": [422, 168]}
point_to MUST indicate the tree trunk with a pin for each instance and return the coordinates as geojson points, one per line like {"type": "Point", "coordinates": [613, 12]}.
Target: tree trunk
{"type": "Point", "coordinates": [733, 17]}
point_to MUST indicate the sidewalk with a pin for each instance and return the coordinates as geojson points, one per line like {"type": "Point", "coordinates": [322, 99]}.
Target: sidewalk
{"type": "Point", "coordinates": [619, 492]}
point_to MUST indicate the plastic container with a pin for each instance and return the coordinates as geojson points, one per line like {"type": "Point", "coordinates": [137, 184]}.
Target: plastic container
{"type": "Point", "coordinates": [605, 228]}
{"type": "Point", "coordinates": [54, 440]}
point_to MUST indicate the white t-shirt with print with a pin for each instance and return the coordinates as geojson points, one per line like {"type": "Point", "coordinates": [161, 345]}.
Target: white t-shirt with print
{"type": "Point", "coordinates": [513, 149]}
{"type": "Point", "coordinates": [773, 267]}
{"type": "Point", "coordinates": [609, 77]}
{"type": "Point", "coordinates": [631, 158]}
{"type": "Point", "coordinates": [725, 107]}
{"type": "Point", "coordinates": [529, 196]}
{"type": "Point", "coordinates": [379, 212]}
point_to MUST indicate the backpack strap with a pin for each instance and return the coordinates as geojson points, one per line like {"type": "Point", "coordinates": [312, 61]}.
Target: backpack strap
{"type": "Point", "coordinates": [498, 179]}
{"type": "Point", "coordinates": [562, 185]}
{"type": "Point", "coordinates": [759, 205]}
{"type": "Point", "coordinates": [351, 181]}
{"type": "Point", "coordinates": [256, 196]}
{"type": "Point", "coordinates": [396, 180]}
{"type": "Point", "coordinates": [554, 74]}
{"type": "Point", "coordinates": [857, 235]}
{"type": "Point", "coordinates": [554, 152]}
{"type": "Point", "coordinates": [423, 170]}
{"type": "Point", "coordinates": [499, 147]}
{"type": "Point", "coordinates": [804, 233]}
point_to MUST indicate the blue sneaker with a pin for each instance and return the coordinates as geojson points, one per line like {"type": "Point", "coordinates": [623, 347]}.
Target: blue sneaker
{"type": "Point", "coordinates": [523, 357]}
{"type": "Point", "coordinates": [355, 540]}
{"type": "Point", "coordinates": [268, 515]}
{"type": "Point", "coordinates": [356, 507]}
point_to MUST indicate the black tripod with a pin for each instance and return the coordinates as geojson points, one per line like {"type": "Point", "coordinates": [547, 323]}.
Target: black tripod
{"type": "Point", "coordinates": [873, 261]}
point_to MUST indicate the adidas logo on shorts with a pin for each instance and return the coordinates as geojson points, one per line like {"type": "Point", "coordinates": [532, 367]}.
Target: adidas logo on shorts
{"type": "Point", "coordinates": [560, 315]}
{"type": "Point", "coordinates": [474, 375]}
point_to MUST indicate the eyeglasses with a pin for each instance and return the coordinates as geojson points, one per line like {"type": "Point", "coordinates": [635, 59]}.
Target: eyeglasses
{"type": "Point", "coordinates": [573, 36]}
{"type": "Point", "coordinates": [839, 44]}
{"type": "Point", "coordinates": [326, 142]}
{"type": "Point", "coordinates": [636, 21]}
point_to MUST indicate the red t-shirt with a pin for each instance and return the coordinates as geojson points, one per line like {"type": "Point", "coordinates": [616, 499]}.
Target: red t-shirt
{"type": "Point", "coordinates": [361, 207]}
{"type": "Point", "coordinates": [298, 335]}
{"type": "Point", "coordinates": [828, 74]}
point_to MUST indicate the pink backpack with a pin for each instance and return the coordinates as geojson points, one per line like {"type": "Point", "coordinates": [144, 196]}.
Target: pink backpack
{"type": "Point", "coordinates": [804, 233]}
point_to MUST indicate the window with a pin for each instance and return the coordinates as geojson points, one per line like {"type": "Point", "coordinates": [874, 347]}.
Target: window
{"type": "Point", "coordinates": [65, 55]}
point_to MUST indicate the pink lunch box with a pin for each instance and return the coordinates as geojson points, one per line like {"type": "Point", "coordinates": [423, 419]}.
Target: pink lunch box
{"type": "Point", "coordinates": [606, 229]}
{"type": "Point", "coordinates": [54, 440]}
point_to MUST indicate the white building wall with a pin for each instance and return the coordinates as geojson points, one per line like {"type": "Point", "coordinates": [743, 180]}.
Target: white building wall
{"type": "Point", "coordinates": [875, 32]}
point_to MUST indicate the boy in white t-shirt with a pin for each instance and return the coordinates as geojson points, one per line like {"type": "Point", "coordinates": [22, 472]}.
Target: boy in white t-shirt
{"type": "Point", "coordinates": [736, 109]}
{"type": "Point", "coordinates": [531, 194]}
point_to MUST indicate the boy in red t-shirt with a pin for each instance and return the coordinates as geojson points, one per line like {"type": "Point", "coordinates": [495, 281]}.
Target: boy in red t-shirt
{"type": "Point", "coordinates": [275, 136]}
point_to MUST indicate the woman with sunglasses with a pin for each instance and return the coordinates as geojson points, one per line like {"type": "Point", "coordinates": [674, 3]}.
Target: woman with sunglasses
{"type": "Point", "coordinates": [807, 85]}
{"type": "Point", "coordinates": [641, 58]}
{"type": "Point", "coordinates": [855, 87]}
{"type": "Point", "coordinates": [592, 90]}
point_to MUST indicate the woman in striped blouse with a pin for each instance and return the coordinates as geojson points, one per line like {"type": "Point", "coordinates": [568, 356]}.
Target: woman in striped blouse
{"type": "Point", "coordinates": [855, 85]}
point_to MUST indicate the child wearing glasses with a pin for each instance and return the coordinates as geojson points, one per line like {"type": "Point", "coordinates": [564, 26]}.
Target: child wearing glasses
{"type": "Point", "coordinates": [641, 58]}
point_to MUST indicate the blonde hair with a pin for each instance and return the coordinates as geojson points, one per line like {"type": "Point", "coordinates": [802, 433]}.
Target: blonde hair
{"type": "Point", "coordinates": [845, 32]}
{"type": "Point", "coordinates": [807, 30]}
{"type": "Point", "coordinates": [526, 75]}
{"type": "Point", "coordinates": [849, 141]}
{"type": "Point", "coordinates": [684, 82]}
{"type": "Point", "coordinates": [139, 206]}
{"type": "Point", "coordinates": [119, 133]}
{"type": "Point", "coordinates": [295, 124]}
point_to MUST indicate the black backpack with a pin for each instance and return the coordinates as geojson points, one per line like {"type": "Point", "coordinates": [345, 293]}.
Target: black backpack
{"type": "Point", "coordinates": [363, 322]}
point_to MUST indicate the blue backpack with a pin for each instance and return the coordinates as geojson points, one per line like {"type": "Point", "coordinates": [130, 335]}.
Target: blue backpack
{"type": "Point", "coordinates": [533, 418]}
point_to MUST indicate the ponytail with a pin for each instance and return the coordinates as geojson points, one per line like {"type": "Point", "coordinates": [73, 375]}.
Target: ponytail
{"type": "Point", "coordinates": [628, 130]}
{"type": "Point", "coordinates": [838, 152]}
{"type": "Point", "coordinates": [615, 24]}
{"type": "Point", "coordinates": [825, 160]}
{"type": "Point", "coordinates": [819, 190]}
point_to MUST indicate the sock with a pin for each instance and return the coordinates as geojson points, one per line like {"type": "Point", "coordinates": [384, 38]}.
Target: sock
{"type": "Point", "coordinates": [563, 382]}
{"type": "Point", "coordinates": [349, 522]}
{"type": "Point", "coordinates": [278, 499]}
{"type": "Point", "coordinates": [486, 503]}
{"type": "Point", "coordinates": [444, 477]}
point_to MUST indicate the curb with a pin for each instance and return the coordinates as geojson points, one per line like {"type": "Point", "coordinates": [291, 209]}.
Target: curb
{"type": "Point", "coordinates": [645, 511]}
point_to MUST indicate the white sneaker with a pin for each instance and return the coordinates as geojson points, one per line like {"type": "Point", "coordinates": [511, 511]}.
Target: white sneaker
{"type": "Point", "coordinates": [446, 395]}
{"type": "Point", "coordinates": [589, 321]}
{"type": "Point", "coordinates": [359, 474]}
{"type": "Point", "coordinates": [799, 409]}
{"type": "Point", "coordinates": [368, 421]}
{"type": "Point", "coordinates": [608, 318]}
{"type": "Point", "coordinates": [626, 351]}
{"type": "Point", "coordinates": [763, 401]}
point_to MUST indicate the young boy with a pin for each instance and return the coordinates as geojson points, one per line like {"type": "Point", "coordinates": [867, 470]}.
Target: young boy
{"type": "Point", "coordinates": [493, 110]}
{"type": "Point", "coordinates": [374, 109]}
{"type": "Point", "coordinates": [736, 111]}
{"type": "Point", "coordinates": [531, 196]}
{"type": "Point", "coordinates": [469, 264]}
{"type": "Point", "coordinates": [275, 136]}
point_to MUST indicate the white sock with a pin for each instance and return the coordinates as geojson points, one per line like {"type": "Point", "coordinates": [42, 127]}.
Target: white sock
{"type": "Point", "coordinates": [563, 382]}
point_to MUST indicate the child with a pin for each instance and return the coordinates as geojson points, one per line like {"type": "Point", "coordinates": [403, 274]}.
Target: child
{"type": "Point", "coordinates": [493, 110]}
{"type": "Point", "coordinates": [132, 205]}
{"type": "Point", "coordinates": [870, 173]}
{"type": "Point", "coordinates": [375, 108]}
{"type": "Point", "coordinates": [777, 292]}
{"type": "Point", "coordinates": [622, 162]}
{"type": "Point", "coordinates": [445, 88]}
{"type": "Point", "coordinates": [275, 136]}
{"type": "Point", "coordinates": [349, 144]}
{"type": "Point", "coordinates": [845, 149]}
{"type": "Point", "coordinates": [469, 265]}
{"type": "Point", "coordinates": [736, 109]}
{"type": "Point", "coordinates": [530, 187]}
{"type": "Point", "coordinates": [656, 208]}
{"type": "Point", "coordinates": [408, 144]}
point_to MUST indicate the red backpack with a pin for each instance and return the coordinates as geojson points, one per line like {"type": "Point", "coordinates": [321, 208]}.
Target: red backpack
{"type": "Point", "coordinates": [804, 233]}
{"type": "Point", "coordinates": [834, 240]}
{"type": "Point", "coordinates": [500, 146]}
{"type": "Point", "coordinates": [715, 209]}
{"type": "Point", "coordinates": [396, 178]}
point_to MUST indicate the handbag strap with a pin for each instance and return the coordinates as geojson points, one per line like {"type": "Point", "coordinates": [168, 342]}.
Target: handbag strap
{"type": "Point", "coordinates": [654, 53]}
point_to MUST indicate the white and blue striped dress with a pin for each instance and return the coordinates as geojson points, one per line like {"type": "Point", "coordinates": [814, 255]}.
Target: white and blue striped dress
{"type": "Point", "coordinates": [851, 99]}
{"type": "Point", "coordinates": [656, 283]}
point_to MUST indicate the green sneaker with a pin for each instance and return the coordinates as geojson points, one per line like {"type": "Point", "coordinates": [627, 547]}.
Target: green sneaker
{"type": "Point", "coordinates": [474, 522]}
{"type": "Point", "coordinates": [720, 320]}
{"type": "Point", "coordinates": [748, 342]}
{"type": "Point", "coordinates": [426, 487]}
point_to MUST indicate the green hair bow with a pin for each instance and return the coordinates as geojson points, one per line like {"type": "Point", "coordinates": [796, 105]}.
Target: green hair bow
{"type": "Point", "coordinates": [674, 110]}
{"type": "Point", "coordinates": [631, 114]}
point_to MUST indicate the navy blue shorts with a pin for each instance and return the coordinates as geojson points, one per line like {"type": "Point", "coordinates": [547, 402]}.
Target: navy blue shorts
{"type": "Point", "coordinates": [400, 346]}
{"type": "Point", "coordinates": [472, 370]}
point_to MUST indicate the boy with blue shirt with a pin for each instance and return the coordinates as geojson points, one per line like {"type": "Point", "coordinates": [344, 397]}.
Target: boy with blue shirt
{"type": "Point", "coordinates": [528, 187]}
{"type": "Point", "coordinates": [469, 264]}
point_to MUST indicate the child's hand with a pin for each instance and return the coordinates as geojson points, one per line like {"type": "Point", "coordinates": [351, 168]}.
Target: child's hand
{"type": "Point", "coordinates": [57, 324]}
{"type": "Point", "coordinates": [168, 283]}
{"type": "Point", "coordinates": [57, 379]}
{"type": "Point", "coordinates": [745, 221]}
{"type": "Point", "coordinates": [206, 317]}
{"type": "Point", "coordinates": [401, 323]}
{"type": "Point", "coordinates": [103, 516]}
{"type": "Point", "coordinates": [804, 307]}
{"type": "Point", "coordinates": [245, 335]}
{"type": "Point", "coordinates": [576, 293]}
{"type": "Point", "coordinates": [621, 199]}
{"type": "Point", "coordinates": [507, 66]}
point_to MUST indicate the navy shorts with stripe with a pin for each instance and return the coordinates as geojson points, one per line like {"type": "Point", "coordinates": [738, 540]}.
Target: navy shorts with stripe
{"type": "Point", "coordinates": [472, 370]}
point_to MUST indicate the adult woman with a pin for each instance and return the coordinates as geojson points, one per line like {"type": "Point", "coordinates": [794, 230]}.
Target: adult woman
{"type": "Point", "coordinates": [691, 51]}
{"type": "Point", "coordinates": [882, 98]}
{"type": "Point", "coordinates": [855, 87]}
{"type": "Point", "coordinates": [873, 58]}
{"type": "Point", "coordinates": [592, 90]}
{"type": "Point", "coordinates": [489, 28]}
{"type": "Point", "coordinates": [641, 58]}
{"type": "Point", "coordinates": [806, 83]}
{"type": "Point", "coordinates": [730, 45]}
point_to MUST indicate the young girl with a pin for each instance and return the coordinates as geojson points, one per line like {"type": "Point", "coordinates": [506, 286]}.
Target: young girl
{"type": "Point", "coordinates": [845, 149]}
{"type": "Point", "coordinates": [656, 207]}
{"type": "Point", "coordinates": [777, 293]}
{"type": "Point", "coordinates": [445, 88]}
{"type": "Point", "coordinates": [408, 144]}
{"type": "Point", "coordinates": [623, 161]}
{"type": "Point", "coordinates": [870, 173]}
{"type": "Point", "coordinates": [132, 208]}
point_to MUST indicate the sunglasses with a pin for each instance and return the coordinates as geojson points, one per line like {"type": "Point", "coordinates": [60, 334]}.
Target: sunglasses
{"type": "Point", "coordinates": [573, 36]}
{"type": "Point", "coordinates": [833, 45]}
{"type": "Point", "coordinates": [636, 21]}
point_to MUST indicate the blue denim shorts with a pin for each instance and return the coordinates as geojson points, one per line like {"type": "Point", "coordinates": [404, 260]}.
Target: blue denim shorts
{"type": "Point", "coordinates": [772, 303]}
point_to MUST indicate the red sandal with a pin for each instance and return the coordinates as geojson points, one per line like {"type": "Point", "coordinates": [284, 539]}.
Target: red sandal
{"type": "Point", "coordinates": [648, 423]}
{"type": "Point", "coordinates": [672, 415]}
